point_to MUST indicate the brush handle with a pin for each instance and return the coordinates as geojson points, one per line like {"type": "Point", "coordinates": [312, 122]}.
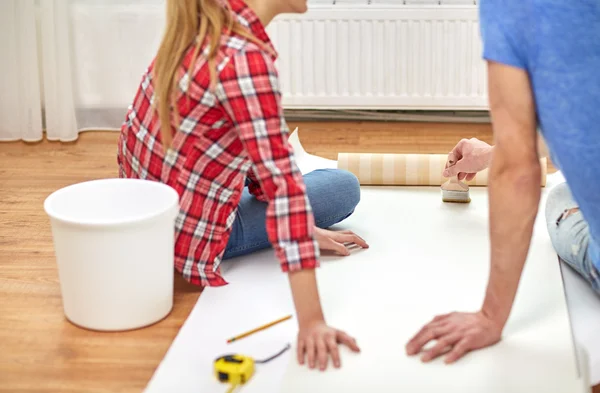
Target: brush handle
{"type": "Point", "coordinates": [407, 169]}
{"type": "Point", "coordinates": [455, 185]}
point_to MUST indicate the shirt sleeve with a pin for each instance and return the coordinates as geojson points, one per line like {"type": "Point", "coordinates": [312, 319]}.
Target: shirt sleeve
{"type": "Point", "coordinates": [249, 92]}
{"type": "Point", "coordinates": [501, 24]}
{"type": "Point", "coordinates": [254, 186]}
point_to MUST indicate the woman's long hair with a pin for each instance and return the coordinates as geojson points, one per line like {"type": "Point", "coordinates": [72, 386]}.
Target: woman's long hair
{"type": "Point", "coordinates": [188, 21]}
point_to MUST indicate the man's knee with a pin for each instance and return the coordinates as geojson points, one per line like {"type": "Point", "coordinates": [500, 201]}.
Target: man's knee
{"type": "Point", "coordinates": [556, 202]}
{"type": "Point", "coordinates": [566, 228]}
{"type": "Point", "coordinates": [560, 191]}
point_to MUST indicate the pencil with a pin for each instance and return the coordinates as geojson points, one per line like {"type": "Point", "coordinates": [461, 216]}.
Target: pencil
{"type": "Point", "coordinates": [258, 329]}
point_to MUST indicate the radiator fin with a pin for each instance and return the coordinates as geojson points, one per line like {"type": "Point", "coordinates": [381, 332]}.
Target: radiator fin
{"type": "Point", "coordinates": [381, 58]}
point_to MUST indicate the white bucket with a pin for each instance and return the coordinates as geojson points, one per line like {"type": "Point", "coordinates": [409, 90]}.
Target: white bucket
{"type": "Point", "coordinates": [114, 246]}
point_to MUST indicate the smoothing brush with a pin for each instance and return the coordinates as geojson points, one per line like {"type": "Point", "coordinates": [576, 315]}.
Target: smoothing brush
{"type": "Point", "coordinates": [455, 190]}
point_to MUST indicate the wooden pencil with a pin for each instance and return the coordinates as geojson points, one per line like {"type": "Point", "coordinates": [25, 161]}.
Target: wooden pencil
{"type": "Point", "coordinates": [258, 329]}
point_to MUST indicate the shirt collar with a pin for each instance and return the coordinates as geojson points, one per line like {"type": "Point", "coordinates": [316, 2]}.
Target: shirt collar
{"type": "Point", "coordinates": [247, 17]}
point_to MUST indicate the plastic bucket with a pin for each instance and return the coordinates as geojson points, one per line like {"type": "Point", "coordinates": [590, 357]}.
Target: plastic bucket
{"type": "Point", "coordinates": [114, 246]}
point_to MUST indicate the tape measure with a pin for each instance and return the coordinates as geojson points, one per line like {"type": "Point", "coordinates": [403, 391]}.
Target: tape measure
{"type": "Point", "coordinates": [237, 369]}
{"type": "Point", "coordinates": [234, 369]}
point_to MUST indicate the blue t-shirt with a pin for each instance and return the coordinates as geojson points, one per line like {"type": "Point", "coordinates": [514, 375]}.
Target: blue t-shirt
{"type": "Point", "coordinates": [558, 43]}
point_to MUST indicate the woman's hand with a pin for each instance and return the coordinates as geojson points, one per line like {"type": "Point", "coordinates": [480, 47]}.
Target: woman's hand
{"type": "Point", "coordinates": [335, 241]}
{"type": "Point", "coordinates": [317, 342]}
{"type": "Point", "coordinates": [467, 158]}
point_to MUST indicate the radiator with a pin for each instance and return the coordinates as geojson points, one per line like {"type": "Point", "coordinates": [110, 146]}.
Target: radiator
{"type": "Point", "coordinates": [351, 55]}
{"type": "Point", "coordinates": [397, 56]}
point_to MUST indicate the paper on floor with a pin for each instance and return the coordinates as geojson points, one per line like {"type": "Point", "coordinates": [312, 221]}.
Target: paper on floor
{"type": "Point", "coordinates": [382, 296]}
{"type": "Point", "coordinates": [584, 310]}
{"type": "Point", "coordinates": [429, 258]}
{"type": "Point", "coordinates": [307, 162]}
{"type": "Point", "coordinates": [258, 293]}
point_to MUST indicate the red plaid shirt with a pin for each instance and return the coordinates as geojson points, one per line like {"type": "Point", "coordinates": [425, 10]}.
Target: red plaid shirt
{"type": "Point", "coordinates": [233, 132]}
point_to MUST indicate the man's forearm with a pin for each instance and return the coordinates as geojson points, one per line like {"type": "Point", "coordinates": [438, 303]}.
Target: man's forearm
{"type": "Point", "coordinates": [542, 148]}
{"type": "Point", "coordinates": [514, 193]}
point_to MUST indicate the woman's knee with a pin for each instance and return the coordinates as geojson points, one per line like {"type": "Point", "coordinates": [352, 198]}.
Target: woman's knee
{"type": "Point", "coordinates": [333, 193]}
{"type": "Point", "coordinates": [347, 185]}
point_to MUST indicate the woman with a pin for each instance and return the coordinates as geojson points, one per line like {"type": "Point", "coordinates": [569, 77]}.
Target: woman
{"type": "Point", "coordinates": [214, 84]}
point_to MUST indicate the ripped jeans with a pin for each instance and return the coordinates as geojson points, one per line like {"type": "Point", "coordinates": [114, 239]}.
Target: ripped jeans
{"type": "Point", "coordinates": [569, 234]}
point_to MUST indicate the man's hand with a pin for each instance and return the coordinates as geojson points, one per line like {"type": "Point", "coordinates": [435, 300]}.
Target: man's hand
{"type": "Point", "coordinates": [455, 334]}
{"type": "Point", "coordinates": [467, 158]}
{"type": "Point", "coordinates": [335, 241]}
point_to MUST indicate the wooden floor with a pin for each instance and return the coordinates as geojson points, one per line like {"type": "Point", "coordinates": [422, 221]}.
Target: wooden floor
{"type": "Point", "coordinates": [39, 350]}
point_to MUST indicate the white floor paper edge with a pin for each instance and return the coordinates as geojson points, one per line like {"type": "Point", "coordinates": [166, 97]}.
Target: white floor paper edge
{"type": "Point", "coordinates": [584, 312]}
{"type": "Point", "coordinates": [224, 312]}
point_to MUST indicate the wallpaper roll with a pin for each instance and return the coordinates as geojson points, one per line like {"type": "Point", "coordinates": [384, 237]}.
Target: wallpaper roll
{"type": "Point", "coordinates": [406, 169]}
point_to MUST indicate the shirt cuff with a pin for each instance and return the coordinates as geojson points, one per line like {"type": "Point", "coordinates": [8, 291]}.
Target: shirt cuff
{"type": "Point", "coordinates": [298, 255]}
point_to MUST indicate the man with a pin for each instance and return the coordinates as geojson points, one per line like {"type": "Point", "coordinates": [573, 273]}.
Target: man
{"type": "Point", "coordinates": [543, 61]}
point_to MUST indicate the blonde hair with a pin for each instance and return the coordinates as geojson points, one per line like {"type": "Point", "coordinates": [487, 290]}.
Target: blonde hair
{"type": "Point", "coordinates": [186, 21]}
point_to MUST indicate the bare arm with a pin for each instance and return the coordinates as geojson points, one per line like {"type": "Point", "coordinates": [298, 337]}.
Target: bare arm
{"type": "Point", "coordinates": [470, 156]}
{"type": "Point", "coordinates": [257, 114]}
{"type": "Point", "coordinates": [514, 189]}
{"type": "Point", "coordinates": [514, 193]}
{"type": "Point", "coordinates": [306, 297]}
{"type": "Point", "coordinates": [542, 149]}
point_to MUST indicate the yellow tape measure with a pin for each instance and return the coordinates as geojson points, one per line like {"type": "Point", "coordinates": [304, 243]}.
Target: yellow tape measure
{"type": "Point", "coordinates": [237, 369]}
{"type": "Point", "coordinates": [234, 369]}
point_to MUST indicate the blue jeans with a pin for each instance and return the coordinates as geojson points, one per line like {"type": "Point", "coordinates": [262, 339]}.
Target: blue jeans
{"type": "Point", "coordinates": [333, 195]}
{"type": "Point", "coordinates": [569, 234]}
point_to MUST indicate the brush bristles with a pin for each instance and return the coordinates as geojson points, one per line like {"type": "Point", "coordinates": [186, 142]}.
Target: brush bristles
{"type": "Point", "coordinates": [456, 196]}
{"type": "Point", "coordinates": [456, 200]}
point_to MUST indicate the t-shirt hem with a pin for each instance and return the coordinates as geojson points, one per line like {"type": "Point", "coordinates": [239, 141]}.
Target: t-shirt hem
{"type": "Point", "coordinates": [504, 60]}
